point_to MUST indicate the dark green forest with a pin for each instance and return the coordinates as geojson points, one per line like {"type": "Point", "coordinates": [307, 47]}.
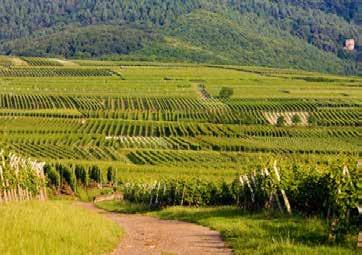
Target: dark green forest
{"type": "Point", "coordinates": [303, 34]}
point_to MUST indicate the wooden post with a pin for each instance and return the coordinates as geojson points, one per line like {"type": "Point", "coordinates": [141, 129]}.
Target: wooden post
{"type": "Point", "coordinates": [175, 195]}
{"type": "Point", "coordinates": [242, 187]}
{"type": "Point", "coordinates": [268, 204]}
{"type": "Point", "coordinates": [6, 197]}
{"type": "Point", "coordinates": [284, 195]}
{"type": "Point", "coordinates": [8, 191]}
{"type": "Point", "coordinates": [150, 204]}
{"type": "Point", "coordinates": [183, 195]}
{"type": "Point", "coordinates": [14, 194]}
{"type": "Point", "coordinates": [43, 191]}
{"type": "Point", "coordinates": [27, 194]}
{"type": "Point", "coordinates": [164, 192]}
{"type": "Point", "coordinates": [2, 188]}
{"type": "Point", "coordinates": [2, 158]}
{"type": "Point", "coordinates": [246, 179]}
{"type": "Point", "coordinates": [158, 188]}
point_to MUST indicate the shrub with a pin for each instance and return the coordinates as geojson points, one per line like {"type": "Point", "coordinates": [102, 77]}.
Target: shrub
{"type": "Point", "coordinates": [281, 121]}
{"type": "Point", "coordinates": [296, 119]}
{"type": "Point", "coordinates": [95, 174]}
{"type": "Point", "coordinates": [111, 175]}
{"type": "Point", "coordinates": [53, 177]}
{"type": "Point", "coordinates": [312, 120]}
{"type": "Point", "coordinates": [226, 92]}
{"type": "Point", "coordinates": [81, 174]}
{"type": "Point", "coordinates": [69, 177]}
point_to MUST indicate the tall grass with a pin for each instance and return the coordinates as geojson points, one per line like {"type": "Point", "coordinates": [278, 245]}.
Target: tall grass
{"type": "Point", "coordinates": [54, 227]}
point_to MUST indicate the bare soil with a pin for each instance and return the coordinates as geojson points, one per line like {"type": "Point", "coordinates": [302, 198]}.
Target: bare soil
{"type": "Point", "coordinates": [148, 235]}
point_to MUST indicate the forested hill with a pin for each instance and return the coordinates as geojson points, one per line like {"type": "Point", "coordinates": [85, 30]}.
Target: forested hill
{"type": "Point", "coordinates": [306, 34]}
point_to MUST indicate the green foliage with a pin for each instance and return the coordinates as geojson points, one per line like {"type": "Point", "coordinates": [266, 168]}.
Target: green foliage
{"type": "Point", "coordinates": [95, 174]}
{"type": "Point", "coordinates": [180, 133]}
{"type": "Point", "coordinates": [20, 178]}
{"type": "Point", "coordinates": [296, 119]}
{"type": "Point", "coordinates": [312, 120]}
{"type": "Point", "coordinates": [52, 176]}
{"type": "Point", "coordinates": [51, 72]}
{"type": "Point", "coordinates": [81, 174]}
{"type": "Point", "coordinates": [146, 120]}
{"type": "Point", "coordinates": [342, 196]}
{"type": "Point", "coordinates": [280, 121]}
{"type": "Point", "coordinates": [80, 42]}
{"type": "Point", "coordinates": [111, 174]}
{"type": "Point", "coordinates": [67, 175]}
{"type": "Point", "coordinates": [329, 192]}
{"type": "Point", "coordinates": [252, 32]}
{"type": "Point", "coordinates": [226, 92]}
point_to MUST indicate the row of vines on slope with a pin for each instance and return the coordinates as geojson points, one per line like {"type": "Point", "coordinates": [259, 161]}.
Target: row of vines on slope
{"type": "Point", "coordinates": [176, 110]}
{"type": "Point", "coordinates": [21, 178]}
{"type": "Point", "coordinates": [330, 192]}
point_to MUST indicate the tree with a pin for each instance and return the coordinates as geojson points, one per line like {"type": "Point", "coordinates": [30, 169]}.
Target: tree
{"type": "Point", "coordinates": [296, 119]}
{"type": "Point", "coordinates": [226, 92]}
{"type": "Point", "coordinates": [280, 121]}
{"type": "Point", "coordinates": [312, 120]}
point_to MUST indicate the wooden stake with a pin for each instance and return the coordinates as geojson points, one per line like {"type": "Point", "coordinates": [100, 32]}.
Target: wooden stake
{"type": "Point", "coordinates": [284, 195]}
{"type": "Point", "coordinates": [183, 194]}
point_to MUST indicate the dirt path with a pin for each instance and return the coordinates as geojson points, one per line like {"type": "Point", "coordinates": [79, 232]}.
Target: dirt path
{"type": "Point", "coordinates": [148, 235]}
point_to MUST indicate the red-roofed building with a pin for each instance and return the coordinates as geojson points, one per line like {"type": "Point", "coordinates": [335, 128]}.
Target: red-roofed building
{"type": "Point", "coordinates": [349, 44]}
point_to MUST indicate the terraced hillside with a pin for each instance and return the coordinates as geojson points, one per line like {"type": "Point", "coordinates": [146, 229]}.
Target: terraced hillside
{"type": "Point", "coordinates": [157, 119]}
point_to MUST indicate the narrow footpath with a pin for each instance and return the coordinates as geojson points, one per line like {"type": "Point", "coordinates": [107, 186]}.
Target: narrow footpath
{"type": "Point", "coordinates": [146, 235]}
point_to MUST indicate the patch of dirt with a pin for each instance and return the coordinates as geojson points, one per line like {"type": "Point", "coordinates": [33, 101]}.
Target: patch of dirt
{"type": "Point", "coordinates": [148, 235]}
{"type": "Point", "coordinates": [66, 62]}
{"type": "Point", "coordinates": [272, 117]}
{"type": "Point", "coordinates": [18, 62]}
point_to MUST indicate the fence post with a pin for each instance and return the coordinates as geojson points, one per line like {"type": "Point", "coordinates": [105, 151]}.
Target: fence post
{"type": "Point", "coordinates": [242, 188]}
{"type": "Point", "coordinates": [2, 189]}
{"type": "Point", "coordinates": [183, 195]}
{"type": "Point", "coordinates": [284, 195]}
{"type": "Point", "coordinates": [246, 179]}
{"type": "Point", "coordinates": [164, 192]}
{"type": "Point", "coordinates": [175, 194]}
{"type": "Point", "coordinates": [158, 188]}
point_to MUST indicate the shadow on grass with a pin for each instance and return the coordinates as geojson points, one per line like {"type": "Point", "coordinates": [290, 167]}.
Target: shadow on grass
{"type": "Point", "coordinates": [124, 207]}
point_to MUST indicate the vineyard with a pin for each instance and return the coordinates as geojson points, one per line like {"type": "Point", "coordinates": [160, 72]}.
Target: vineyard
{"type": "Point", "coordinates": [186, 135]}
{"type": "Point", "coordinates": [21, 179]}
{"type": "Point", "coordinates": [138, 115]}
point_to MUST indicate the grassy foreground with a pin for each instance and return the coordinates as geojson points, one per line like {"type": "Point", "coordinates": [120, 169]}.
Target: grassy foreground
{"type": "Point", "coordinates": [253, 234]}
{"type": "Point", "coordinates": [54, 227]}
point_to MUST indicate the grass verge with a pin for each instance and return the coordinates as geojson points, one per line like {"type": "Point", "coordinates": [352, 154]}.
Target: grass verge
{"type": "Point", "coordinates": [54, 227]}
{"type": "Point", "coordinates": [253, 234]}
